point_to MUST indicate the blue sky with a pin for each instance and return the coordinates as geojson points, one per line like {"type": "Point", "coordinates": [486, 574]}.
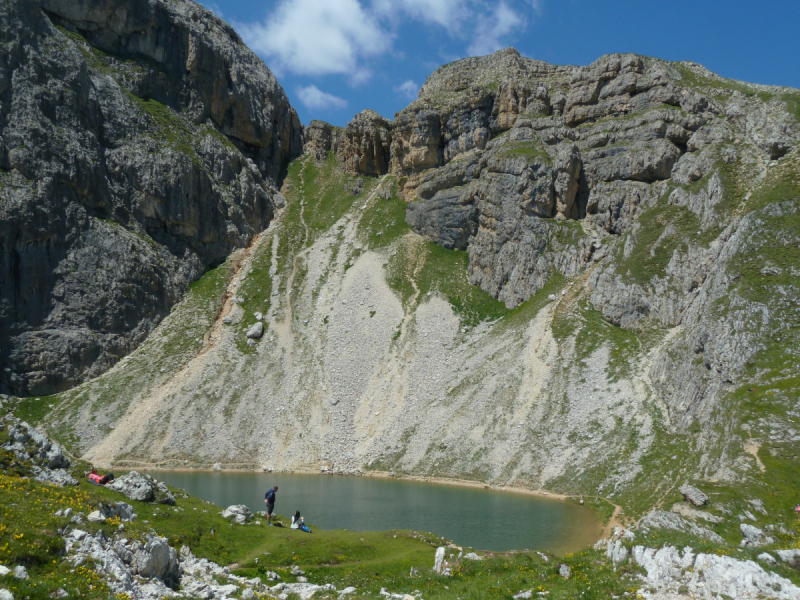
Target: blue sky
{"type": "Point", "coordinates": [335, 58]}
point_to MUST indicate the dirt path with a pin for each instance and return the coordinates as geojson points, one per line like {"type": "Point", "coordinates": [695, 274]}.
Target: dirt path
{"type": "Point", "coordinates": [306, 230]}
{"type": "Point", "coordinates": [418, 257]}
{"type": "Point", "coordinates": [614, 521]}
{"type": "Point", "coordinates": [127, 432]}
{"type": "Point", "coordinates": [240, 261]}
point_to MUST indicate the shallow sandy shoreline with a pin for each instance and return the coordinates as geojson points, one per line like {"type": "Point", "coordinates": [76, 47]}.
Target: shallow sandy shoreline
{"type": "Point", "coordinates": [470, 484]}
{"type": "Point", "coordinates": [467, 483]}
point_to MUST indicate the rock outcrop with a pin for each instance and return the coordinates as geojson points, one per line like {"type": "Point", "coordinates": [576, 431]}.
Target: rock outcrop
{"type": "Point", "coordinates": [120, 510]}
{"type": "Point", "coordinates": [693, 495]}
{"type": "Point", "coordinates": [495, 144]}
{"type": "Point", "coordinates": [320, 138]}
{"type": "Point", "coordinates": [665, 520]}
{"type": "Point", "coordinates": [237, 513]}
{"type": "Point", "coordinates": [684, 574]}
{"type": "Point", "coordinates": [29, 452]}
{"type": "Point", "coordinates": [754, 536]}
{"type": "Point", "coordinates": [153, 569]}
{"type": "Point", "coordinates": [157, 560]}
{"type": "Point", "coordinates": [138, 147]}
{"type": "Point", "coordinates": [142, 488]}
{"type": "Point", "coordinates": [672, 573]}
{"type": "Point", "coordinates": [364, 144]}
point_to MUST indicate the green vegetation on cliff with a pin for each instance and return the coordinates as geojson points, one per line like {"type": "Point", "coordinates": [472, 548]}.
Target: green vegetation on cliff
{"type": "Point", "coordinates": [171, 346]}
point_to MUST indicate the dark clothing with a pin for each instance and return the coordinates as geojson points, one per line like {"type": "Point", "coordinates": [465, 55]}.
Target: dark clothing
{"type": "Point", "coordinates": [269, 497]}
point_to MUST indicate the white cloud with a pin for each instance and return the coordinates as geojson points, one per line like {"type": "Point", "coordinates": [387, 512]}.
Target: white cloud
{"type": "Point", "coordinates": [449, 14]}
{"type": "Point", "coordinates": [359, 77]}
{"type": "Point", "coordinates": [342, 37]}
{"type": "Point", "coordinates": [408, 88]}
{"type": "Point", "coordinates": [314, 98]}
{"type": "Point", "coordinates": [317, 37]}
{"type": "Point", "coordinates": [490, 30]}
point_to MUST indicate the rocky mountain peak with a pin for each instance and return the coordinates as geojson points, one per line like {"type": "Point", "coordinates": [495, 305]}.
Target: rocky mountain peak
{"type": "Point", "coordinates": [503, 65]}
{"type": "Point", "coordinates": [140, 144]}
{"type": "Point", "coordinates": [202, 69]}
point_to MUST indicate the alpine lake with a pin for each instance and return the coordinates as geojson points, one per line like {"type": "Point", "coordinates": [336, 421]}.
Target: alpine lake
{"type": "Point", "coordinates": [472, 517]}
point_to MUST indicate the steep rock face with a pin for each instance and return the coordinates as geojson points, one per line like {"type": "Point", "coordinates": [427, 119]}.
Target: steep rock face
{"type": "Point", "coordinates": [544, 165]}
{"type": "Point", "coordinates": [495, 139]}
{"type": "Point", "coordinates": [364, 145]}
{"type": "Point", "coordinates": [449, 218]}
{"type": "Point", "coordinates": [319, 138]}
{"type": "Point", "coordinates": [651, 159]}
{"type": "Point", "coordinates": [139, 145]}
{"type": "Point", "coordinates": [417, 141]}
{"type": "Point", "coordinates": [201, 68]}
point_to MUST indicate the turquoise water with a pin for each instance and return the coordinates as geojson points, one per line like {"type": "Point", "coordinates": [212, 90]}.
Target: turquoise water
{"type": "Point", "coordinates": [473, 517]}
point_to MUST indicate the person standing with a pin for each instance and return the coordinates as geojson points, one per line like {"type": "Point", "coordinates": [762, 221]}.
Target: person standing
{"type": "Point", "coordinates": [269, 499]}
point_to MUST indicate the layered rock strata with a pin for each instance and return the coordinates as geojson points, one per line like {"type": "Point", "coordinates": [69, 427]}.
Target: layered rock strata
{"type": "Point", "coordinates": [495, 144]}
{"type": "Point", "coordinates": [657, 200]}
{"type": "Point", "coordinates": [499, 151]}
{"type": "Point", "coordinates": [138, 147]}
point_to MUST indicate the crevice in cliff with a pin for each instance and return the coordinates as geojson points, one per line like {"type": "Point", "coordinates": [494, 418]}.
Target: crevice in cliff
{"type": "Point", "coordinates": [127, 137]}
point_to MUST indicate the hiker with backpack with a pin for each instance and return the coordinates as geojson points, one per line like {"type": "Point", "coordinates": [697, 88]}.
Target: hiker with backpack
{"type": "Point", "coordinates": [298, 523]}
{"type": "Point", "coordinates": [269, 499]}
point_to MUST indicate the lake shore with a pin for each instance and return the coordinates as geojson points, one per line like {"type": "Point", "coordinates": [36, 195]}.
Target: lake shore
{"type": "Point", "coordinates": [466, 483]}
{"type": "Point", "coordinates": [603, 529]}
{"type": "Point", "coordinates": [472, 514]}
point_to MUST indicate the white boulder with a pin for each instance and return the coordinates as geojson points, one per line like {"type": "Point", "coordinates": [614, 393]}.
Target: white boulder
{"type": "Point", "coordinates": [157, 559]}
{"type": "Point", "coordinates": [256, 331]}
{"type": "Point", "coordinates": [753, 536]}
{"type": "Point", "coordinates": [693, 495]}
{"type": "Point", "coordinates": [238, 513]}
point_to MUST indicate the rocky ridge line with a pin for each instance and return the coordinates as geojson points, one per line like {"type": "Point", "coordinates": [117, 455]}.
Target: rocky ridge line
{"type": "Point", "coordinates": [496, 145]}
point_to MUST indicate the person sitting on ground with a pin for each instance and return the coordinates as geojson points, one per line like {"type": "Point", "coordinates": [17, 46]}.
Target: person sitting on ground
{"type": "Point", "coordinates": [96, 479]}
{"type": "Point", "coordinates": [298, 523]}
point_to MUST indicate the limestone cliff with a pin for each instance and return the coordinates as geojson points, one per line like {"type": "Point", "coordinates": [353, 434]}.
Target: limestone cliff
{"type": "Point", "coordinates": [140, 144]}
{"type": "Point", "coordinates": [535, 274]}
{"type": "Point", "coordinates": [681, 185]}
